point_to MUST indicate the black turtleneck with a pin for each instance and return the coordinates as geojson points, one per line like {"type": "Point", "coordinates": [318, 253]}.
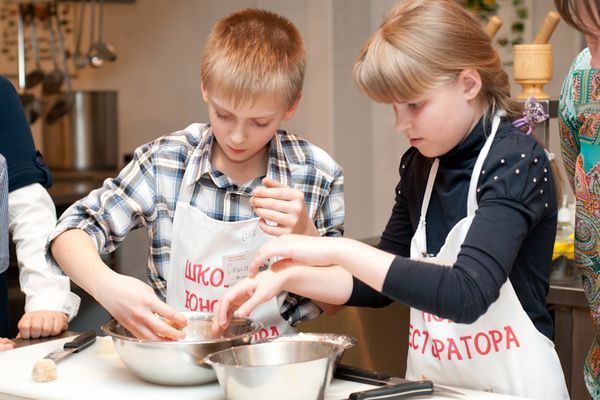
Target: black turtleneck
{"type": "Point", "coordinates": [511, 236]}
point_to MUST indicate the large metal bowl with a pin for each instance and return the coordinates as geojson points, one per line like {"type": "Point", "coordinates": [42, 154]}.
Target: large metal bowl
{"type": "Point", "coordinates": [179, 362]}
{"type": "Point", "coordinates": [291, 370]}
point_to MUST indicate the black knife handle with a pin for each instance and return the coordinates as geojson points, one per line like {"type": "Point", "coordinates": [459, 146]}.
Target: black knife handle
{"type": "Point", "coordinates": [355, 374]}
{"type": "Point", "coordinates": [82, 341]}
{"type": "Point", "coordinates": [399, 391]}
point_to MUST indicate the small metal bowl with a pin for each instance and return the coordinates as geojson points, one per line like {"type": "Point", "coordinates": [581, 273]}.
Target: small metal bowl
{"type": "Point", "coordinates": [179, 362]}
{"type": "Point", "coordinates": [291, 370]}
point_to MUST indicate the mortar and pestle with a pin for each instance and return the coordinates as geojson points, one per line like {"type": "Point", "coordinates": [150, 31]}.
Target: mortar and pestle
{"type": "Point", "coordinates": [532, 63]}
{"type": "Point", "coordinates": [493, 26]}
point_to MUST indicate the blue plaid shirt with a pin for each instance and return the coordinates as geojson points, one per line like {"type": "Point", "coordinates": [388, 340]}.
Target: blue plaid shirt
{"type": "Point", "coordinates": [4, 255]}
{"type": "Point", "coordinates": [145, 193]}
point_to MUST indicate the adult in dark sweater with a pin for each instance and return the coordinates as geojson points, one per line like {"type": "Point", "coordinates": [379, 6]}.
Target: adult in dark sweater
{"type": "Point", "coordinates": [49, 302]}
{"type": "Point", "coordinates": [468, 246]}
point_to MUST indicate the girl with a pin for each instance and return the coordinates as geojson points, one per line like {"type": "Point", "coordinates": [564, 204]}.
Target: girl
{"type": "Point", "coordinates": [579, 122]}
{"type": "Point", "coordinates": [468, 246]}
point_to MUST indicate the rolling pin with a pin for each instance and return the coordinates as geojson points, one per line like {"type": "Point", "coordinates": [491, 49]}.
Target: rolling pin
{"type": "Point", "coordinates": [493, 26]}
{"type": "Point", "coordinates": [552, 19]}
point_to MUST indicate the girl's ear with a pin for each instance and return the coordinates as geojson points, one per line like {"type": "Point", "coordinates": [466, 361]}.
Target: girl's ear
{"type": "Point", "coordinates": [471, 82]}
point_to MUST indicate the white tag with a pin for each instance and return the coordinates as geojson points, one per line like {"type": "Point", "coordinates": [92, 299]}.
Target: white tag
{"type": "Point", "coordinates": [236, 266]}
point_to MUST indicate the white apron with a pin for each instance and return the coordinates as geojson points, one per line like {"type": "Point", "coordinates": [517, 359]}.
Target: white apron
{"type": "Point", "coordinates": [205, 253]}
{"type": "Point", "coordinates": [502, 351]}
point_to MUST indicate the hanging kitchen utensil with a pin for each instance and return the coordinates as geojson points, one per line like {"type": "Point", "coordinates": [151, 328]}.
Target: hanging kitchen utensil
{"type": "Point", "coordinates": [79, 59]}
{"type": "Point", "coordinates": [36, 76]}
{"type": "Point", "coordinates": [53, 79]}
{"type": "Point", "coordinates": [65, 102]}
{"type": "Point", "coordinates": [30, 103]}
{"type": "Point", "coordinates": [105, 49]}
{"type": "Point", "coordinates": [94, 57]}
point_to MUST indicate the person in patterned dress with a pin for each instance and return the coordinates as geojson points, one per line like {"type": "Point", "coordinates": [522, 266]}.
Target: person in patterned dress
{"type": "Point", "coordinates": [579, 121]}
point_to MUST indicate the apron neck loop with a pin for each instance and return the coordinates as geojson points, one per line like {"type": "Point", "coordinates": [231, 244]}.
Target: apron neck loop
{"type": "Point", "coordinates": [472, 195]}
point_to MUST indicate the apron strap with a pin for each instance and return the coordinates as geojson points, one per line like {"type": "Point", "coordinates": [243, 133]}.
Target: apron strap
{"type": "Point", "coordinates": [429, 188]}
{"type": "Point", "coordinates": [472, 195]}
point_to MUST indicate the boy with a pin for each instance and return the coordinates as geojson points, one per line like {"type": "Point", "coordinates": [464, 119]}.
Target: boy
{"type": "Point", "coordinates": [199, 192]}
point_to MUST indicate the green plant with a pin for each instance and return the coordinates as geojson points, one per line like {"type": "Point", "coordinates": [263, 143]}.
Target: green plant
{"type": "Point", "coordinates": [485, 9]}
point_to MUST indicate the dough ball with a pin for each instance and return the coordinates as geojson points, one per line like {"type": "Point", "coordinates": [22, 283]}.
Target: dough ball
{"type": "Point", "coordinates": [44, 370]}
{"type": "Point", "coordinates": [105, 347]}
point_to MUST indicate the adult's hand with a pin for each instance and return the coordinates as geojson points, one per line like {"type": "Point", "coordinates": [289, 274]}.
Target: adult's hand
{"type": "Point", "coordinates": [38, 324]}
{"type": "Point", "coordinates": [6, 344]}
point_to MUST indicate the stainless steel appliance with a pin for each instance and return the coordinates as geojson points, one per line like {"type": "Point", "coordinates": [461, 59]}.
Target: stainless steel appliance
{"type": "Point", "coordinates": [86, 137]}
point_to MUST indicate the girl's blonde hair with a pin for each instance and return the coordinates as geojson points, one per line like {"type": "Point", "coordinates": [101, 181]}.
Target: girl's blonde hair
{"type": "Point", "coordinates": [254, 53]}
{"type": "Point", "coordinates": [423, 45]}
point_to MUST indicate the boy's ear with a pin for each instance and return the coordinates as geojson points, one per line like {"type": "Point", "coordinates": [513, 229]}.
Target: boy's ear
{"type": "Point", "coordinates": [290, 112]}
{"type": "Point", "coordinates": [204, 92]}
{"type": "Point", "coordinates": [471, 81]}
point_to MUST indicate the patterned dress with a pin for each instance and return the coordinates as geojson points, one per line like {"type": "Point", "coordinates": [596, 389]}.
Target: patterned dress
{"type": "Point", "coordinates": [579, 120]}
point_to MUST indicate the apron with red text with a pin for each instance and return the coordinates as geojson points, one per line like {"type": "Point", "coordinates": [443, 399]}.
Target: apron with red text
{"type": "Point", "coordinates": [502, 351]}
{"type": "Point", "coordinates": [205, 252]}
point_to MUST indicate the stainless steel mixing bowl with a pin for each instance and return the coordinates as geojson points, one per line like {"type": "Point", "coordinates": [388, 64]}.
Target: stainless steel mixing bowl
{"type": "Point", "coordinates": [276, 370]}
{"type": "Point", "coordinates": [179, 362]}
{"type": "Point", "coordinates": [335, 338]}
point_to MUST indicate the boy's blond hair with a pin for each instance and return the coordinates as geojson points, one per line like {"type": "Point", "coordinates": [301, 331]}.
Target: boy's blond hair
{"type": "Point", "coordinates": [254, 53]}
{"type": "Point", "coordinates": [423, 45]}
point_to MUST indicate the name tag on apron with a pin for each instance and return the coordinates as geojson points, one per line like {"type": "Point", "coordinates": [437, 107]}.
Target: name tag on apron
{"type": "Point", "coordinates": [235, 267]}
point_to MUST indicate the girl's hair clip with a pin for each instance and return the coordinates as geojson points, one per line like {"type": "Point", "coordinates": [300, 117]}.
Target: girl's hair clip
{"type": "Point", "coordinates": [533, 113]}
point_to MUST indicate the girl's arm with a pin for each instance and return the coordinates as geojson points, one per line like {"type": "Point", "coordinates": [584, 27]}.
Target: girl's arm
{"type": "Point", "coordinates": [331, 285]}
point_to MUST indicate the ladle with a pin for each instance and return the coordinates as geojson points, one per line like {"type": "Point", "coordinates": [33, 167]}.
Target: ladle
{"type": "Point", "coordinates": [94, 57]}
{"type": "Point", "coordinates": [31, 104]}
{"type": "Point", "coordinates": [106, 50]}
{"type": "Point", "coordinates": [36, 76]}
{"type": "Point", "coordinates": [53, 79]}
{"type": "Point", "coordinates": [65, 102]}
{"type": "Point", "coordinates": [79, 59]}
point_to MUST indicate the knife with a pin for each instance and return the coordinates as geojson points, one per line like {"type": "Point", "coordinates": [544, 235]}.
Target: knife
{"type": "Point", "coordinates": [391, 387]}
{"type": "Point", "coordinates": [81, 341]}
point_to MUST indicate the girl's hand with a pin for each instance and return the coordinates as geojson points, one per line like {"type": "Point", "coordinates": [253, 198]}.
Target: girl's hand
{"type": "Point", "coordinates": [136, 307]}
{"type": "Point", "coordinates": [38, 324]}
{"type": "Point", "coordinates": [284, 208]}
{"type": "Point", "coordinates": [304, 250]}
{"type": "Point", "coordinates": [246, 295]}
{"type": "Point", "coordinates": [6, 344]}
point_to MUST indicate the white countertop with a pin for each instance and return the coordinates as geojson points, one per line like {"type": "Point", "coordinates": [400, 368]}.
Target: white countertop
{"type": "Point", "coordinates": [98, 373]}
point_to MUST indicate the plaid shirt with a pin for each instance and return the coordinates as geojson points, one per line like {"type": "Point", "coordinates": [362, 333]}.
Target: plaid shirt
{"type": "Point", "coordinates": [145, 193]}
{"type": "Point", "coordinates": [4, 254]}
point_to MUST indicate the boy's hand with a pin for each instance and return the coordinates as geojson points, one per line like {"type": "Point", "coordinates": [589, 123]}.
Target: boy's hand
{"type": "Point", "coordinates": [284, 208]}
{"type": "Point", "coordinates": [136, 307]}
{"type": "Point", "coordinates": [38, 324]}
{"type": "Point", "coordinates": [6, 344]}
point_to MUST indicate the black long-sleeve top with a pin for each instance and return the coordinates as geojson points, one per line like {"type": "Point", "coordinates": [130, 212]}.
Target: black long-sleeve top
{"type": "Point", "coordinates": [25, 164]}
{"type": "Point", "coordinates": [511, 236]}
